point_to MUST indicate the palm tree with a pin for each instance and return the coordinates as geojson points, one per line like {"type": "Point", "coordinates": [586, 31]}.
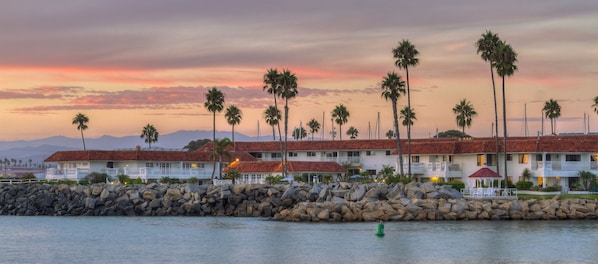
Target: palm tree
{"type": "Point", "coordinates": [392, 88]}
{"type": "Point", "coordinates": [487, 45]}
{"type": "Point", "coordinates": [552, 110]}
{"type": "Point", "coordinates": [233, 116]}
{"type": "Point", "coordinates": [272, 116]}
{"type": "Point", "coordinates": [406, 55]}
{"type": "Point", "coordinates": [150, 134]}
{"type": "Point", "coordinates": [214, 103]}
{"type": "Point", "coordinates": [408, 116]}
{"type": "Point", "coordinates": [81, 121]}
{"type": "Point", "coordinates": [595, 105]}
{"type": "Point", "coordinates": [341, 116]}
{"type": "Point", "coordinates": [352, 132]}
{"type": "Point", "coordinates": [299, 133]}
{"type": "Point", "coordinates": [314, 126]}
{"type": "Point", "coordinates": [288, 90]}
{"type": "Point", "coordinates": [273, 87]}
{"type": "Point", "coordinates": [464, 111]}
{"type": "Point", "coordinates": [220, 149]}
{"type": "Point", "coordinates": [504, 63]}
{"type": "Point", "coordinates": [390, 134]}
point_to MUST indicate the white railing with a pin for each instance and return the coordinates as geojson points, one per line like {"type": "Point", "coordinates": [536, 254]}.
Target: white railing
{"type": "Point", "coordinates": [488, 192]}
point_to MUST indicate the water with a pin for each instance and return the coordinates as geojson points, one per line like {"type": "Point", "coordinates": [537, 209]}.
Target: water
{"type": "Point", "coordinates": [252, 240]}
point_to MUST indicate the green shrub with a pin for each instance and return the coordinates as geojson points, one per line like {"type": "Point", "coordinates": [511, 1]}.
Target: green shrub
{"type": "Point", "coordinates": [29, 176]}
{"type": "Point", "coordinates": [273, 179]}
{"type": "Point", "coordinates": [96, 177]}
{"type": "Point", "coordinates": [550, 189]}
{"type": "Point", "coordinates": [523, 185]}
{"type": "Point", "coordinates": [192, 180]}
{"type": "Point", "coordinates": [123, 178]}
{"type": "Point", "coordinates": [457, 185]}
{"type": "Point", "coordinates": [534, 188]}
{"type": "Point", "coordinates": [84, 182]}
{"type": "Point", "coordinates": [137, 181]}
{"type": "Point", "coordinates": [300, 178]}
{"type": "Point", "coordinates": [165, 179]}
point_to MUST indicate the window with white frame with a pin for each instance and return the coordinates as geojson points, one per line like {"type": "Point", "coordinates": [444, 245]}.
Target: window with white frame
{"type": "Point", "coordinates": [573, 157]}
{"type": "Point", "coordinates": [311, 153]}
{"type": "Point", "coordinates": [481, 160]}
{"type": "Point", "coordinates": [370, 153]}
{"type": "Point", "coordinates": [523, 158]}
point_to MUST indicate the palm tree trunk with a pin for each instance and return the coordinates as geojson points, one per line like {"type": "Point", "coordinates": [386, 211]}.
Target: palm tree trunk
{"type": "Point", "coordinates": [279, 134]}
{"type": "Point", "coordinates": [409, 127]}
{"type": "Point", "coordinates": [286, 128]}
{"type": "Point", "coordinates": [234, 146]}
{"type": "Point", "coordinates": [82, 138]}
{"type": "Point", "coordinates": [504, 116]}
{"type": "Point", "coordinates": [273, 133]}
{"type": "Point", "coordinates": [495, 119]}
{"type": "Point", "coordinates": [396, 125]}
{"type": "Point", "coordinates": [340, 132]}
{"type": "Point", "coordinates": [213, 144]}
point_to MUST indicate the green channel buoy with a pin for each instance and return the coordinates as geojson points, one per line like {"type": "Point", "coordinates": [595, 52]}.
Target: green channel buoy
{"type": "Point", "coordinates": [380, 231]}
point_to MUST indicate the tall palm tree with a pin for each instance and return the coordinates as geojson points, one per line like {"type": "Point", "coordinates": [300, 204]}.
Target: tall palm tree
{"type": "Point", "coordinates": [352, 132]}
{"type": "Point", "coordinates": [81, 121]}
{"type": "Point", "coordinates": [299, 133]}
{"type": "Point", "coordinates": [408, 116]}
{"type": "Point", "coordinates": [504, 63]}
{"type": "Point", "coordinates": [314, 126]}
{"type": "Point", "coordinates": [220, 149]}
{"type": "Point", "coordinates": [341, 116]}
{"type": "Point", "coordinates": [464, 111]}
{"type": "Point", "coordinates": [406, 56]}
{"type": "Point", "coordinates": [595, 105]}
{"type": "Point", "coordinates": [288, 90]}
{"type": "Point", "coordinates": [214, 103]}
{"type": "Point", "coordinates": [552, 110]}
{"type": "Point", "coordinates": [273, 87]}
{"type": "Point", "coordinates": [272, 117]}
{"type": "Point", "coordinates": [150, 134]}
{"type": "Point", "coordinates": [233, 117]}
{"type": "Point", "coordinates": [392, 89]}
{"type": "Point", "coordinates": [487, 45]}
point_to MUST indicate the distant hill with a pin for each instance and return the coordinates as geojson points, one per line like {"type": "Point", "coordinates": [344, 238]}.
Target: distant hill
{"type": "Point", "coordinates": [39, 149]}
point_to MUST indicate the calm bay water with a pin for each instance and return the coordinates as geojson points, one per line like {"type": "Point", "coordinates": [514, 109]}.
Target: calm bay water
{"type": "Point", "coordinates": [251, 240]}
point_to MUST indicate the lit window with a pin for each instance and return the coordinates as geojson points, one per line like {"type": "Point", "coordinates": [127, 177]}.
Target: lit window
{"type": "Point", "coordinates": [522, 158]}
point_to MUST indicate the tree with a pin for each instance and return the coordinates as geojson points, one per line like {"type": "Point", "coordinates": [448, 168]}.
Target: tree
{"type": "Point", "coordinates": [552, 110]}
{"type": "Point", "coordinates": [341, 116]}
{"type": "Point", "coordinates": [273, 87]}
{"type": "Point", "coordinates": [407, 115]}
{"type": "Point", "coordinates": [451, 134]}
{"type": "Point", "coordinates": [390, 134]}
{"type": "Point", "coordinates": [595, 105]}
{"type": "Point", "coordinates": [406, 56]}
{"type": "Point", "coordinates": [81, 121]}
{"type": "Point", "coordinates": [392, 88]}
{"type": "Point", "coordinates": [233, 117]}
{"type": "Point", "coordinates": [233, 175]}
{"type": "Point", "coordinates": [299, 133]}
{"type": "Point", "coordinates": [220, 149]}
{"type": "Point", "coordinates": [150, 134]}
{"type": "Point", "coordinates": [486, 47]}
{"type": "Point", "coordinates": [526, 174]}
{"type": "Point", "coordinates": [314, 126]}
{"type": "Point", "coordinates": [352, 132]}
{"type": "Point", "coordinates": [288, 90]}
{"type": "Point", "coordinates": [464, 111]}
{"type": "Point", "coordinates": [272, 117]}
{"type": "Point", "coordinates": [504, 63]}
{"type": "Point", "coordinates": [194, 145]}
{"type": "Point", "coordinates": [214, 103]}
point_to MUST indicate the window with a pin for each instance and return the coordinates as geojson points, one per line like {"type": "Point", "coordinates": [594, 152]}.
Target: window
{"type": "Point", "coordinates": [353, 154]}
{"type": "Point", "coordinates": [292, 154]}
{"type": "Point", "coordinates": [276, 155]}
{"type": "Point", "coordinates": [490, 160]}
{"type": "Point", "coordinates": [331, 154]}
{"type": "Point", "coordinates": [447, 158]}
{"type": "Point", "coordinates": [371, 172]}
{"type": "Point", "coordinates": [311, 154]}
{"type": "Point", "coordinates": [538, 157]}
{"type": "Point", "coordinates": [523, 158]}
{"type": "Point", "coordinates": [548, 157]}
{"type": "Point", "coordinates": [370, 153]}
{"type": "Point", "coordinates": [572, 157]}
{"type": "Point", "coordinates": [110, 164]}
{"type": "Point", "coordinates": [257, 155]}
{"type": "Point", "coordinates": [388, 153]}
{"type": "Point", "coordinates": [481, 160]}
{"type": "Point", "coordinates": [509, 157]}
{"type": "Point", "coordinates": [594, 157]}
{"type": "Point", "coordinates": [149, 164]}
{"type": "Point", "coordinates": [415, 159]}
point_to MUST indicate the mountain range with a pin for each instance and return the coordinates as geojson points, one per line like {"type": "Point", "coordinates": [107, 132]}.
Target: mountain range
{"type": "Point", "coordinates": [39, 149]}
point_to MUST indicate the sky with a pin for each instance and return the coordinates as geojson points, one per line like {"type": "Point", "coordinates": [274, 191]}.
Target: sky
{"type": "Point", "coordinates": [128, 63]}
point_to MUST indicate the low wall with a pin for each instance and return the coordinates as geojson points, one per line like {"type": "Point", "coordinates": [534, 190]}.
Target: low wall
{"type": "Point", "coordinates": [339, 202]}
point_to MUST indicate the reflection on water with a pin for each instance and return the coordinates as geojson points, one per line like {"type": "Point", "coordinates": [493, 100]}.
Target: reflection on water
{"type": "Point", "coordinates": [253, 240]}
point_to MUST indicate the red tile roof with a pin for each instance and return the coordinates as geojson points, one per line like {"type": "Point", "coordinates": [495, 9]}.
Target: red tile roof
{"type": "Point", "coordinates": [292, 166]}
{"type": "Point", "coordinates": [153, 155]}
{"type": "Point", "coordinates": [484, 173]}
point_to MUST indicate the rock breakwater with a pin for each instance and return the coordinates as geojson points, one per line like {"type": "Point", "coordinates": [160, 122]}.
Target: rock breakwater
{"type": "Point", "coordinates": [339, 202]}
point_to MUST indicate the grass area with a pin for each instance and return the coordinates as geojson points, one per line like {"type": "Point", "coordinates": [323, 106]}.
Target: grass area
{"type": "Point", "coordinates": [562, 196]}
